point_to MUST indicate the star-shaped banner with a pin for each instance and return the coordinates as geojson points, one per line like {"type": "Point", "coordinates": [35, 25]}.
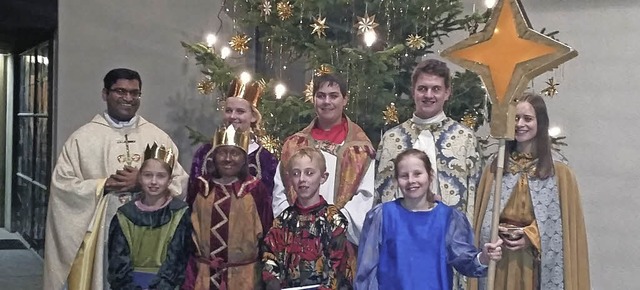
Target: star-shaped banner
{"type": "Point", "coordinates": [507, 54]}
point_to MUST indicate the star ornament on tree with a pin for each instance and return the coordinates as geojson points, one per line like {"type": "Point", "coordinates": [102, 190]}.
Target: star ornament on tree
{"type": "Point", "coordinates": [308, 92]}
{"type": "Point", "coordinates": [366, 23]}
{"type": "Point", "coordinates": [285, 10]}
{"type": "Point", "coordinates": [507, 54]}
{"type": "Point", "coordinates": [265, 8]}
{"type": "Point", "coordinates": [552, 88]}
{"type": "Point", "coordinates": [240, 43]}
{"type": "Point", "coordinates": [390, 114]}
{"type": "Point", "coordinates": [416, 42]}
{"type": "Point", "coordinates": [319, 26]}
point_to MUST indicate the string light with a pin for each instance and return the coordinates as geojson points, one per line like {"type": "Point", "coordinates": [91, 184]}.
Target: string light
{"type": "Point", "coordinates": [370, 37]}
{"type": "Point", "coordinates": [280, 89]}
{"type": "Point", "coordinates": [225, 51]}
{"type": "Point", "coordinates": [245, 77]}
{"type": "Point", "coordinates": [554, 131]}
{"type": "Point", "coordinates": [211, 39]}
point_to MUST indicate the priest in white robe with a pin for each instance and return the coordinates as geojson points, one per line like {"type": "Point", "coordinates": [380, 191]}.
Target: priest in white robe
{"type": "Point", "coordinates": [95, 174]}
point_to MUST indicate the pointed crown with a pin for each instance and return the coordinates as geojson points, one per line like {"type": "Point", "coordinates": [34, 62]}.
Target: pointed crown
{"type": "Point", "coordinates": [161, 153]}
{"type": "Point", "coordinates": [250, 91]}
{"type": "Point", "coordinates": [231, 137]}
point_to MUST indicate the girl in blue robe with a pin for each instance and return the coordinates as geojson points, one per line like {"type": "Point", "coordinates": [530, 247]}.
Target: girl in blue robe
{"type": "Point", "coordinates": [414, 242]}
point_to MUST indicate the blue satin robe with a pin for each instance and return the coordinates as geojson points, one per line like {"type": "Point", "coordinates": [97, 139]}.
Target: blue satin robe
{"type": "Point", "coordinates": [402, 249]}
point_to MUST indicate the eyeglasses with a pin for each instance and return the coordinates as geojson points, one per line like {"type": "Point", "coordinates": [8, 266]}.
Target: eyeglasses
{"type": "Point", "coordinates": [124, 92]}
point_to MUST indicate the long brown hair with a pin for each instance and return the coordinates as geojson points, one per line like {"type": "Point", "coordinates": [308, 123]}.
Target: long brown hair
{"type": "Point", "coordinates": [427, 165]}
{"type": "Point", "coordinates": [542, 142]}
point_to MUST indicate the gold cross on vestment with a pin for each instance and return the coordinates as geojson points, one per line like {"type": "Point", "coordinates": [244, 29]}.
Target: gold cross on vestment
{"type": "Point", "coordinates": [127, 158]}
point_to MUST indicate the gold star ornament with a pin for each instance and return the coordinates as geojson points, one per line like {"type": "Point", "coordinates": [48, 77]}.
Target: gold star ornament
{"type": "Point", "coordinates": [285, 10]}
{"type": "Point", "coordinates": [272, 144]}
{"type": "Point", "coordinates": [366, 23]}
{"type": "Point", "coordinates": [416, 42]}
{"type": "Point", "coordinates": [507, 54]}
{"type": "Point", "coordinates": [206, 86]}
{"type": "Point", "coordinates": [552, 88]}
{"type": "Point", "coordinates": [265, 8]}
{"type": "Point", "coordinates": [323, 70]}
{"type": "Point", "coordinates": [308, 92]}
{"type": "Point", "coordinates": [470, 120]}
{"type": "Point", "coordinates": [319, 26]}
{"type": "Point", "coordinates": [390, 114]}
{"type": "Point", "coordinates": [240, 43]}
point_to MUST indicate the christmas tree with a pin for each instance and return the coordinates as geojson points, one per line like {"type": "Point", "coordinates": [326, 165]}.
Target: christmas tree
{"type": "Point", "coordinates": [374, 45]}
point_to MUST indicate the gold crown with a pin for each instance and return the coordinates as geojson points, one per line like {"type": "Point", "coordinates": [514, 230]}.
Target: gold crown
{"type": "Point", "coordinates": [250, 91]}
{"type": "Point", "coordinates": [161, 153]}
{"type": "Point", "coordinates": [231, 137]}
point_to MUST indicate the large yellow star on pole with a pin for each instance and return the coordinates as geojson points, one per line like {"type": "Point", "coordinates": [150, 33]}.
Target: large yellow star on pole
{"type": "Point", "coordinates": [507, 54]}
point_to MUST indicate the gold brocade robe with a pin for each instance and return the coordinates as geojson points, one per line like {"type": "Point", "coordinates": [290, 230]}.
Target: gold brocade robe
{"type": "Point", "coordinates": [77, 209]}
{"type": "Point", "coordinates": [575, 251]}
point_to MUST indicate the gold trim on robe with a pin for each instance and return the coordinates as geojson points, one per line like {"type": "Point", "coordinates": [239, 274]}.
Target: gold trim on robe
{"type": "Point", "coordinates": [575, 248]}
{"type": "Point", "coordinates": [354, 157]}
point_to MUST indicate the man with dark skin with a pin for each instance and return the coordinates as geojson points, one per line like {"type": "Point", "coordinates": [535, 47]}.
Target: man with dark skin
{"type": "Point", "coordinates": [96, 172]}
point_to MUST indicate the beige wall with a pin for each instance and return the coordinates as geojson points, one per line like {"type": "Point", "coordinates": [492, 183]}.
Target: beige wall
{"type": "Point", "coordinates": [596, 107]}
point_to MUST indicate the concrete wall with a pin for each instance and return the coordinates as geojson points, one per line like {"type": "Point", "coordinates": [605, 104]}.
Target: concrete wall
{"type": "Point", "coordinates": [596, 107]}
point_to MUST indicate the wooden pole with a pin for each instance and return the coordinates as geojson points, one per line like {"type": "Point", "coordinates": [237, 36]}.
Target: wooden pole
{"type": "Point", "coordinates": [495, 218]}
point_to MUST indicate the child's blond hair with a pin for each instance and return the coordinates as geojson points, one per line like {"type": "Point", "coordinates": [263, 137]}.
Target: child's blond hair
{"type": "Point", "coordinates": [311, 153]}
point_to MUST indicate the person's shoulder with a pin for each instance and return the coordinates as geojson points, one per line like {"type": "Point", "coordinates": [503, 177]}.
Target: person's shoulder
{"type": "Point", "coordinates": [453, 124]}
{"type": "Point", "coordinates": [265, 153]}
{"type": "Point", "coordinates": [562, 169]}
{"type": "Point", "coordinates": [89, 127]}
{"type": "Point", "coordinates": [335, 217]}
{"type": "Point", "coordinates": [397, 128]}
{"type": "Point", "coordinates": [177, 204]}
{"type": "Point", "coordinates": [147, 125]}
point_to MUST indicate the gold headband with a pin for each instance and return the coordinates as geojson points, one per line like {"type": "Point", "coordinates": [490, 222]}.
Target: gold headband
{"type": "Point", "coordinates": [231, 137]}
{"type": "Point", "coordinates": [250, 91]}
{"type": "Point", "coordinates": [161, 153]}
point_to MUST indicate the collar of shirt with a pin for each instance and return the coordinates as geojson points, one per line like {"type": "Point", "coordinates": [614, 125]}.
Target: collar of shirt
{"type": "Point", "coordinates": [336, 134]}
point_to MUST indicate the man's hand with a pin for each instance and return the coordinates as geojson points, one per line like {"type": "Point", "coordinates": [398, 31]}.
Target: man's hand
{"type": "Point", "coordinates": [491, 251]}
{"type": "Point", "coordinates": [125, 180]}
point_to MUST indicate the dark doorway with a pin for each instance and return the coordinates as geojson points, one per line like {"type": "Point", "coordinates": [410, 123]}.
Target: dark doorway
{"type": "Point", "coordinates": [27, 33]}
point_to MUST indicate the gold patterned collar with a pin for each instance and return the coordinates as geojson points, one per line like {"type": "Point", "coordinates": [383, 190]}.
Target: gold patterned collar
{"type": "Point", "coordinates": [522, 162]}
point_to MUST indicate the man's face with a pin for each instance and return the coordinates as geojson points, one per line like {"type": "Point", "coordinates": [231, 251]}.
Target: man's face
{"type": "Point", "coordinates": [429, 95]}
{"type": "Point", "coordinates": [329, 103]}
{"type": "Point", "coordinates": [229, 160]}
{"type": "Point", "coordinates": [123, 99]}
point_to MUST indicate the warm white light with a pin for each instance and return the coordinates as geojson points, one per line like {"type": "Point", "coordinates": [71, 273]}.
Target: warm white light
{"type": "Point", "coordinates": [370, 37]}
{"type": "Point", "coordinates": [490, 3]}
{"type": "Point", "coordinates": [280, 89]}
{"type": "Point", "coordinates": [225, 52]}
{"type": "Point", "coordinates": [245, 77]}
{"type": "Point", "coordinates": [211, 39]}
{"type": "Point", "coordinates": [554, 131]}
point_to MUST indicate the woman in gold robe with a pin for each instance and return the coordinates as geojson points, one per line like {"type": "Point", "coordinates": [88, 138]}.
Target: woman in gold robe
{"type": "Point", "coordinates": [541, 220]}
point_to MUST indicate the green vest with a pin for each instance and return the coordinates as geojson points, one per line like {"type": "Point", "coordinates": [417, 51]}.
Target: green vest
{"type": "Point", "coordinates": [148, 246]}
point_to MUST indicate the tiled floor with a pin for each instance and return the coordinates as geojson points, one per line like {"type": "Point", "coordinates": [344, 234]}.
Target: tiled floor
{"type": "Point", "coordinates": [19, 269]}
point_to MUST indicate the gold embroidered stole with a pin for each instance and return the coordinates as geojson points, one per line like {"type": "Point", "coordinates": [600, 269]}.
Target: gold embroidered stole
{"type": "Point", "coordinates": [354, 157]}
